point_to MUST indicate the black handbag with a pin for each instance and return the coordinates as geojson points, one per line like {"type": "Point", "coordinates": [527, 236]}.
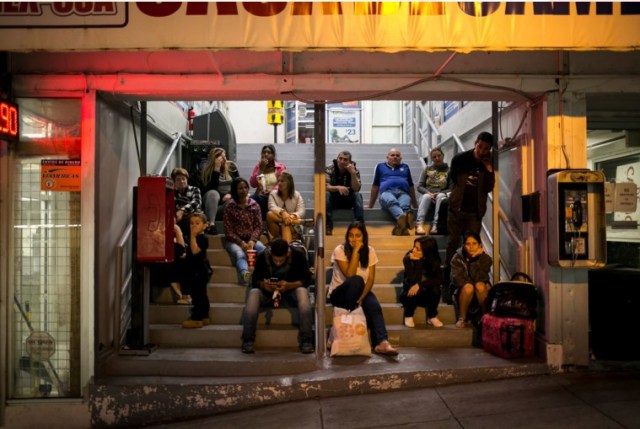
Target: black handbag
{"type": "Point", "coordinates": [514, 298]}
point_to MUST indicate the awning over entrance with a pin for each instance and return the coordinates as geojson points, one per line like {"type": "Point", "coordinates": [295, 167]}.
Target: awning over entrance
{"type": "Point", "coordinates": [368, 26]}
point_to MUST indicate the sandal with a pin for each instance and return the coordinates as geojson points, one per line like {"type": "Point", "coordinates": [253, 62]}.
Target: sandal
{"type": "Point", "coordinates": [460, 323]}
{"type": "Point", "coordinates": [384, 348]}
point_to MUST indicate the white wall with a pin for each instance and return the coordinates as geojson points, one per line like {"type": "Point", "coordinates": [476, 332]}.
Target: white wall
{"type": "Point", "coordinates": [249, 120]}
{"type": "Point", "coordinates": [387, 121]}
{"type": "Point", "coordinates": [382, 122]}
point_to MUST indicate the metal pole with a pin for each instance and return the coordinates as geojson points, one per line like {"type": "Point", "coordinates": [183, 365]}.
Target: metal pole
{"type": "Point", "coordinates": [320, 210]}
{"type": "Point", "coordinates": [275, 133]}
{"type": "Point", "coordinates": [143, 137]}
{"type": "Point", "coordinates": [495, 206]}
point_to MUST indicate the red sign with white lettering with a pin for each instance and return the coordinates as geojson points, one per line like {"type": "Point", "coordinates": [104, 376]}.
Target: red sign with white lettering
{"type": "Point", "coordinates": [8, 121]}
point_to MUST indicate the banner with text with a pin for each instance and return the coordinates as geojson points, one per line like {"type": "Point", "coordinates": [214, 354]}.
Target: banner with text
{"type": "Point", "coordinates": [380, 26]}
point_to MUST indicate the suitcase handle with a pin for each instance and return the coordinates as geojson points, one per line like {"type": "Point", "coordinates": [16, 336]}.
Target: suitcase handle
{"type": "Point", "coordinates": [509, 330]}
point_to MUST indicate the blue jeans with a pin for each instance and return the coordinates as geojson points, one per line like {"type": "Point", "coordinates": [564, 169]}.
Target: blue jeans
{"type": "Point", "coordinates": [346, 295]}
{"type": "Point", "coordinates": [396, 202]}
{"type": "Point", "coordinates": [425, 205]}
{"type": "Point", "coordinates": [239, 257]}
{"type": "Point", "coordinates": [259, 298]}
{"type": "Point", "coordinates": [352, 201]}
{"type": "Point", "coordinates": [263, 202]}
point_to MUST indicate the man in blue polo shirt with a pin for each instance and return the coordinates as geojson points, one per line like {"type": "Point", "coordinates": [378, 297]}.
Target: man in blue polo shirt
{"type": "Point", "coordinates": [392, 180]}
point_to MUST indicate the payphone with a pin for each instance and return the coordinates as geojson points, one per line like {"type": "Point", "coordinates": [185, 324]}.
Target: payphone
{"type": "Point", "coordinates": [576, 218]}
{"type": "Point", "coordinates": [155, 215]}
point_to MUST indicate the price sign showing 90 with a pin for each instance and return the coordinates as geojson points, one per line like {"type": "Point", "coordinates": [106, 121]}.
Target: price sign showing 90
{"type": "Point", "coordinates": [8, 120]}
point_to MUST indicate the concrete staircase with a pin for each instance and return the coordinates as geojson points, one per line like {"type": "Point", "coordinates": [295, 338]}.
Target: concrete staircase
{"type": "Point", "coordinates": [275, 325]}
{"type": "Point", "coordinates": [299, 161]}
{"type": "Point", "coordinates": [202, 372]}
{"type": "Point", "coordinates": [276, 328]}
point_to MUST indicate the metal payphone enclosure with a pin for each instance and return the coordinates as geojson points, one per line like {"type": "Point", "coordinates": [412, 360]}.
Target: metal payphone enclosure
{"type": "Point", "coordinates": [154, 219]}
{"type": "Point", "coordinates": [576, 218]}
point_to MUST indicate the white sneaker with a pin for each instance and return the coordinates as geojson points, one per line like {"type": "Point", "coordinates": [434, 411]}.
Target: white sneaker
{"type": "Point", "coordinates": [409, 323]}
{"type": "Point", "coordinates": [246, 276]}
{"type": "Point", "coordinates": [435, 322]}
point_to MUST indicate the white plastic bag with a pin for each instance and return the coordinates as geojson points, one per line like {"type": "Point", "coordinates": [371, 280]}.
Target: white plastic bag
{"type": "Point", "coordinates": [349, 336]}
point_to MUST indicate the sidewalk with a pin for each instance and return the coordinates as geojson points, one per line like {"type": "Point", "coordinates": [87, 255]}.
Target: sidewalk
{"type": "Point", "coordinates": [605, 397]}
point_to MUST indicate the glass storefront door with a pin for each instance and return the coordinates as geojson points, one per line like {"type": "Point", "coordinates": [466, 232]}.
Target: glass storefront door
{"type": "Point", "coordinates": [44, 256]}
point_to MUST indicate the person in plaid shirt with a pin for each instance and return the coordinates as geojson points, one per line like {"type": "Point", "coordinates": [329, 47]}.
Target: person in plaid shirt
{"type": "Point", "coordinates": [188, 198]}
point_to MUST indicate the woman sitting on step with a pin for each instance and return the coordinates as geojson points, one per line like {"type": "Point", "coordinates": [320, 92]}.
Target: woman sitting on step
{"type": "Point", "coordinates": [242, 227]}
{"type": "Point", "coordinates": [422, 280]}
{"type": "Point", "coordinates": [216, 177]}
{"type": "Point", "coordinates": [286, 209]}
{"type": "Point", "coordinates": [470, 268]}
{"type": "Point", "coordinates": [354, 272]}
{"type": "Point", "coordinates": [433, 187]}
{"type": "Point", "coordinates": [264, 177]}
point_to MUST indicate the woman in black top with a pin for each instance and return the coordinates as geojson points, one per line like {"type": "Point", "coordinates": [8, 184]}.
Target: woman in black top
{"type": "Point", "coordinates": [422, 280]}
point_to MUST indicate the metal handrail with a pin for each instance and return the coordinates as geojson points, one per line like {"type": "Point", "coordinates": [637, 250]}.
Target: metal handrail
{"type": "Point", "coordinates": [172, 149]}
{"type": "Point", "coordinates": [502, 216]}
{"type": "Point", "coordinates": [459, 146]}
{"type": "Point", "coordinates": [122, 309]}
{"type": "Point", "coordinates": [432, 124]}
{"type": "Point", "coordinates": [121, 288]}
{"type": "Point", "coordinates": [507, 223]}
{"type": "Point", "coordinates": [321, 295]}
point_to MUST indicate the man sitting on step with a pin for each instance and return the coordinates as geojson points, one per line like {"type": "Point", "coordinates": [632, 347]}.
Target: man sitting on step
{"type": "Point", "coordinates": [392, 179]}
{"type": "Point", "coordinates": [281, 276]}
{"type": "Point", "coordinates": [343, 188]}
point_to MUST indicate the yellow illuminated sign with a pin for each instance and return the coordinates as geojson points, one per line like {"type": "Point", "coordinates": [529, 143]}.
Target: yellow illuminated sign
{"type": "Point", "coordinates": [275, 112]}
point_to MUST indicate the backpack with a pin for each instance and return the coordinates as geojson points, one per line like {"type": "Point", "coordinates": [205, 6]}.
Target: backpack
{"type": "Point", "coordinates": [514, 298]}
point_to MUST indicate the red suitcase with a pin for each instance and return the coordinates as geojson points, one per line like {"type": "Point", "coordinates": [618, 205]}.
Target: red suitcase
{"type": "Point", "coordinates": [507, 337]}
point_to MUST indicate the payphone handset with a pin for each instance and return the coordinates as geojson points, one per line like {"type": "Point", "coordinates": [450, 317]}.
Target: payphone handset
{"type": "Point", "coordinates": [576, 218]}
{"type": "Point", "coordinates": [575, 226]}
{"type": "Point", "coordinates": [576, 215]}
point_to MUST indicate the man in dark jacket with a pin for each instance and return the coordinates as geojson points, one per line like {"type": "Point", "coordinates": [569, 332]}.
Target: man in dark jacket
{"type": "Point", "coordinates": [281, 275]}
{"type": "Point", "coordinates": [343, 188]}
{"type": "Point", "coordinates": [471, 178]}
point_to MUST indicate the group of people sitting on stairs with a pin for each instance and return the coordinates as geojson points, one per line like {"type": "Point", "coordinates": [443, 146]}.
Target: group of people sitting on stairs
{"type": "Point", "coordinates": [281, 273]}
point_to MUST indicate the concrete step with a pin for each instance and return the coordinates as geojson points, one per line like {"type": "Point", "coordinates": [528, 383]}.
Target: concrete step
{"type": "Point", "coordinates": [231, 314]}
{"type": "Point", "coordinates": [219, 257]}
{"type": "Point", "coordinates": [217, 292]}
{"type": "Point", "coordinates": [211, 362]}
{"type": "Point", "coordinates": [299, 160]}
{"type": "Point", "coordinates": [224, 274]}
{"type": "Point", "coordinates": [174, 336]}
{"type": "Point", "coordinates": [384, 274]}
{"type": "Point", "coordinates": [229, 293]}
{"type": "Point", "coordinates": [282, 337]}
{"type": "Point", "coordinates": [169, 384]}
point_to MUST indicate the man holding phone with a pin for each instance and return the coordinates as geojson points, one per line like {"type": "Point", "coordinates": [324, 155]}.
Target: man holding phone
{"type": "Point", "coordinates": [281, 277]}
{"type": "Point", "coordinates": [343, 188]}
{"type": "Point", "coordinates": [471, 178]}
